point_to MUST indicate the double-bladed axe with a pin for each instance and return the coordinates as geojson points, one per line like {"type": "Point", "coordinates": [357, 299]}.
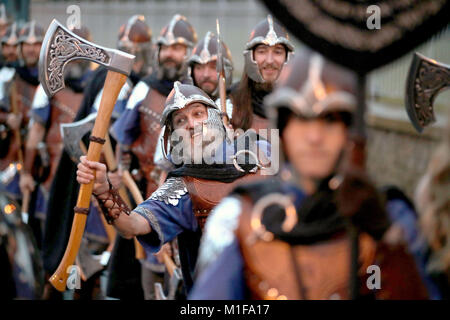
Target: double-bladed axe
{"type": "Point", "coordinates": [60, 46]}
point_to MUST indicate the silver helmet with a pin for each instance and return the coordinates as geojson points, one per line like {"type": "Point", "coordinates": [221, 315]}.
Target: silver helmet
{"type": "Point", "coordinates": [179, 30]}
{"type": "Point", "coordinates": [206, 51]}
{"type": "Point", "coordinates": [135, 37]}
{"type": "Point", "coordinates": [269, 33]}
{"type": "Point", "coordinates": [11, 36]}
{"type": "Point", "coordinates": [180, 97]}
{"type": "Point", "coordinates": [31, 33]}
{"type": "Point", "coordinates": [311, 87]}
{"type": "Point", "coordinates": [4, 21]}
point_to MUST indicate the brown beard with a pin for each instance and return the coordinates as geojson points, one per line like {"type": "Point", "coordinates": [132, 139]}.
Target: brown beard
{"type": "Point", "coordinates": [31, 61]}
{"type": "Point", "coordinates": [209, 92]}
{"type": "Point", "coordinates": [170, 73]}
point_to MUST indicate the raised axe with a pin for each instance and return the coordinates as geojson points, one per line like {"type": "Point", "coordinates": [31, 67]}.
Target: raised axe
{"type": "Point", "coordinates": [60, 46]}
{"type": "Point", "coordinates": [72, 134]}
{"type": "Point", "coordinates": [426, 79]}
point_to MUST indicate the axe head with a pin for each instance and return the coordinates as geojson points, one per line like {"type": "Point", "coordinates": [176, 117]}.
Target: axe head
{"type": "Point", "coordinates": [72, 133]}
{"type": "Point", "coordinates": [61, 46]}
{"type": "Point", "coordinates": [426, 79]}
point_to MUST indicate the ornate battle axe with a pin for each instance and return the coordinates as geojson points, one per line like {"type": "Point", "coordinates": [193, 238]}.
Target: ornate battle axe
{"type": "Point", "coordinates": [61, 46]}
{"type": "Point", "coordinates": [427, 78]}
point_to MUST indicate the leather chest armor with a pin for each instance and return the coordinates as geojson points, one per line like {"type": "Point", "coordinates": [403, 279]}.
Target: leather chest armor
{"type": "Point", "coordinates": [277, 270]}
{"type": "Point", "coordinates": [206, 194]}
{"type": "Point", "coordinates": [145, 145]}
{"type": "Point", "coordinates": [64, 107]}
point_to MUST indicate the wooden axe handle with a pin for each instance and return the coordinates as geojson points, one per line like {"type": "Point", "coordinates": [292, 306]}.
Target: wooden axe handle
{"type": "Point", "coordinates": [113, 83]}
{"type": "Point", "coordinates": [170, 265]}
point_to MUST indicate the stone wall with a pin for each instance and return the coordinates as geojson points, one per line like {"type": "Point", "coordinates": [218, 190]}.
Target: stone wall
{"type": "Point", "coordinates": [399, 157]}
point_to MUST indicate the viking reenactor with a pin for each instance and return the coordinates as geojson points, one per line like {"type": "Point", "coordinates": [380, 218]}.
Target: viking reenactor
{"type": "Point", "coordinates": [266, 52]}
{"type": "Point", "coordinates": [180, 206]}
{"type": "Point", "coordinates": [9, 121]}
{"type": "Point", "coordinates": [19, 94]}
{"type": "Point", "coordinates": [138, 128]}
{"type": "Point", "coordinates": [290, 237]}
{"type": "Point", "coordinates": [10, 46]}
{"type": "Point", "coordinates": [203, 62]}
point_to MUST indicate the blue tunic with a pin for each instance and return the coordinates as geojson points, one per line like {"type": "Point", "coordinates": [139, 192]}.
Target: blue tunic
{"type": "Point", "coordinates": [170, 220]}
{"type": "Point", "coordinates": [166, 221]}
{"type": "Point", "coordinates": [126, 129]}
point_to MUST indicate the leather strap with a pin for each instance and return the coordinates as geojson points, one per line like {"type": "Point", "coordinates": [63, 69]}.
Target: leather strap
{"type": "Point", "coordinates": [113, 212]}
{"type": "Point", "coordinates": [97, 139]}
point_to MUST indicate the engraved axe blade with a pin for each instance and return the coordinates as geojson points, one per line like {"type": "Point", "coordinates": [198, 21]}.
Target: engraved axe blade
{"type": "Point", "coordinates": [426, 79]}
{"type": "Point", "coordinates": [72, 133]}
{"type": "Point", "coordinates": [60, 46]}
